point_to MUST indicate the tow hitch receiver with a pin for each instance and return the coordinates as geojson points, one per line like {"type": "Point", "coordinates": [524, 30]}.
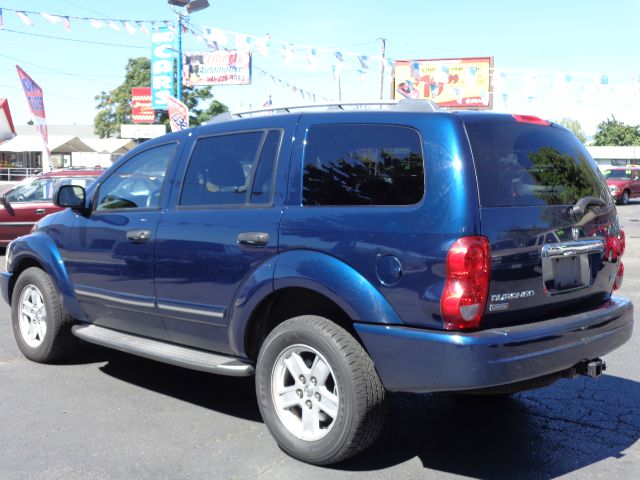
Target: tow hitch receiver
{"type": "Point", "coordinates": [592, 368]}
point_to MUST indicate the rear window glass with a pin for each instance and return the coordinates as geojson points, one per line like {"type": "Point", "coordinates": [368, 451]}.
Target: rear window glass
{"type": "Point", "coordinates": [523, 165]}
{"type": "Point", "coordinates": [362, 165]}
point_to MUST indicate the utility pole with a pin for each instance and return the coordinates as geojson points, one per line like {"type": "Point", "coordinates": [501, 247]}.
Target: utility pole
{"type": "Point", "coordinates": [383, 44]}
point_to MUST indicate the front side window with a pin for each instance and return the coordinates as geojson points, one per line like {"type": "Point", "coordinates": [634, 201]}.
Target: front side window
{"type": "Point", "coordinates": [362, 165]}
{"type": "Point", "coordinates": [137, 183]}
{"type": "Point", "coordinates": [221, 169]}
{"type": "Point", "coordinates": [34, 190]}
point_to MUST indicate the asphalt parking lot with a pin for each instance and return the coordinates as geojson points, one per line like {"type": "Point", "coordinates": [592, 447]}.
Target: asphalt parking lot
{"type": "Point", "coordinates": [106, 415]}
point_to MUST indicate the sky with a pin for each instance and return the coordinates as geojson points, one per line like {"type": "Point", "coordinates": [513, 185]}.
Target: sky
{"type": "Point", "coordinates": [552, 58]}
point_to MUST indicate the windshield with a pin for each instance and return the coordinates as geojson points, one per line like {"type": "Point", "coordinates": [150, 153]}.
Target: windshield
{"type": "Point", "coordinates": [622, 174]}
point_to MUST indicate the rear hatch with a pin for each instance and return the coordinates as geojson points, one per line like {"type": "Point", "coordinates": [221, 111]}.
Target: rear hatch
{"type": "Point", "coordinates": [548, 215]}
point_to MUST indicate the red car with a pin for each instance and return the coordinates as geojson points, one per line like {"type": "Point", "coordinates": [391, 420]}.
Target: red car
{"type": "Point", "coordinates": [30, 200]}
{"type": "Point", "coordinates": [623, 182]}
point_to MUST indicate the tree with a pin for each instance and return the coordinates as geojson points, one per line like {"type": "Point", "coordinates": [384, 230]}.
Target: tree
{"type": "Point", "coordinates": [575, 128]}
{"type": "Point", "coordinates": [114, 107]}
{"type": "Point", "coordinates": [613, 132]}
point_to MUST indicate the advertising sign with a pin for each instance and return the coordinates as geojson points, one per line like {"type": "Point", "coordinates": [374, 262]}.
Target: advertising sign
{"type": "Point", "coordinates": [451, 82]}
{"type": "Point", "coordinates": [162, 40]}
{"type": "Point", "coordinates": [35, 99]}
{"type": "Point", "coordinates": [216, 68]}
{"type": "Point", "coordinates": [141, 109]}
{"type": "Point", "coordinates": [178, 114]}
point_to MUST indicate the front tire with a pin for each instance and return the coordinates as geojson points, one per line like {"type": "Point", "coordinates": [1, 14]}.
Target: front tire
{"type": "Point", "coordinates": [40, 328]}
{"type": "Point", "coordinates": [625, 197]}
{"type": "Point", "coordinates": [318, 391]}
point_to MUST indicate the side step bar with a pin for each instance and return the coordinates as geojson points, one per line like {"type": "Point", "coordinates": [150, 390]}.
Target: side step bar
{"type": "Point", "coordinates": [164, 352]}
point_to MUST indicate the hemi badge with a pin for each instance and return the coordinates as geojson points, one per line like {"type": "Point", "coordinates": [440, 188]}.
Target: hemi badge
{"type": "Point", "coordinates": [498, 307]}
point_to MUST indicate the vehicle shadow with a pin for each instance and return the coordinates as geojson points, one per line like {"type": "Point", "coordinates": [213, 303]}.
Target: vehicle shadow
{"type": "Point", "coordinates": [540, 434]}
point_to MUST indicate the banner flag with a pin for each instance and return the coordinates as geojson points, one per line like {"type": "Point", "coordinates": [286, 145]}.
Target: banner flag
{"type": "Point", "coordinates": [35, 100]}
{"type": "Point", "coordinates": [25, 18]}
{"type": "Point", "coordinates": [178, 114]}
{"type": "Point", "coordinates": [52, 19]}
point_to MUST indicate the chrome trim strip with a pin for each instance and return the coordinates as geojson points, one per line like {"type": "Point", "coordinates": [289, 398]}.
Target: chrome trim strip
{"type": "Point", "coordinates": [582, 247]}
{"type": "Point", "coordinates": [194, 311]}
{"type": "Point", "coordinates": [16, 224]}
{"type": "Point", "coordinates": [110, 298]}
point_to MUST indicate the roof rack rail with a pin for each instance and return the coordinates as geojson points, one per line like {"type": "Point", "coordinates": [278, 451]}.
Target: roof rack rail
{"type": "Point", "coordinates": [404, 105]}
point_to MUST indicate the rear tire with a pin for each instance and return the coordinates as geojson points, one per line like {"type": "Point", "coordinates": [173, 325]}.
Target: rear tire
{"type": "Point", "coordinates": [318, 391]}
{"type": "Point", "coordinates": [41, 330]}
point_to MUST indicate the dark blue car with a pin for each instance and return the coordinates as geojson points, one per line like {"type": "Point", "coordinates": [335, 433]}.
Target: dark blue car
{"type": "Point", "coordinates": [336, 256]}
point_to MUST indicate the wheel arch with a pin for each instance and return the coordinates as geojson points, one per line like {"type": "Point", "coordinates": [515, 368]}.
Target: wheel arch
{"type": "Point", "coordinates": [307, 283]}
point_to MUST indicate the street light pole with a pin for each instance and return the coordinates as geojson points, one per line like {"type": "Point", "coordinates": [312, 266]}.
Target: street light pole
{"type": "Point", "coordinates": [179, 73]}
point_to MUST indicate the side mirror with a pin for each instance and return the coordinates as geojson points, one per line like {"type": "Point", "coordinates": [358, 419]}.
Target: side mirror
{"type": "Point", "coordinates": [5, 200]}
{"type": "Point", "coordinates": [71, 196]}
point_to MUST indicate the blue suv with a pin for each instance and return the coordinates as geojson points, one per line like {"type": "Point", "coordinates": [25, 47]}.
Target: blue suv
{"type": "Point", "coordinates": [336, 256]}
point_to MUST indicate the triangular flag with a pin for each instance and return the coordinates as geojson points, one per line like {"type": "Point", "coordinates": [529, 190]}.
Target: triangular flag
{"type": "Point", "coordinates": [1, 19]}
{"type": "Point", "coordinates": [364, 62]}
{"type": "Point", "coordinates": [287, 54]}
{"type": "Point", "coordinates": [66, 24]}
{"type": "Point", "coordinates": [142, 28]}
{"type": "Point", "coordinates": [25, 19]}
{"type": "Point", "coordinates": [52, 19]}
{"type": "Point", "coordinates": [129, 27]}
{"type": "Point", "coordinates": [113, 26]}
{"type": "Point", "coordinates": [96, 23]}
{"type": "Point", "coordinates": [263, 45]}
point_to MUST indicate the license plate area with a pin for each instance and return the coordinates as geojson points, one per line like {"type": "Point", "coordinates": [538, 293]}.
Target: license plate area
{"type": "Point", "coordinates": [566, 267]}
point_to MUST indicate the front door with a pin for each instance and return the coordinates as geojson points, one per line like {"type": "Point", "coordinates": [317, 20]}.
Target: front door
{"type": "Point", "coordinates": [109, 253]}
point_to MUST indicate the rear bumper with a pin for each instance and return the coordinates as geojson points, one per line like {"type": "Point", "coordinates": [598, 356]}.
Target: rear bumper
{"type": "Point", "coordinates": [418, 360]}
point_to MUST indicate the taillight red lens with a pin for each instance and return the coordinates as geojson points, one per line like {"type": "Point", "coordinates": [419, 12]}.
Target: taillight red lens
{"type": "Point", "coordinates": [618, 283]}
{"type": "Point", "coordinates": [531, 119]}
{"type": "Point", "coordinates": [467, 283]}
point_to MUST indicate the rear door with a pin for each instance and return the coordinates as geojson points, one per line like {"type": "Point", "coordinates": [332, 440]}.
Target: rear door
{"type": "Point", "coordinates": [545, 254]}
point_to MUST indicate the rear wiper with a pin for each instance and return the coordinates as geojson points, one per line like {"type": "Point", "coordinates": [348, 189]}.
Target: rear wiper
{"type": "Point", "coordinates": [581, 206]}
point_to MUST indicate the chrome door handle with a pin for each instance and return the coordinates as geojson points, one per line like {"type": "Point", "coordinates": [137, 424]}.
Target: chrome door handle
{"type": "Point", "coordinates": [253, 239]}
{"type": "Point", "coordinates": [138, 236]}
{"type": "Point", "coordinates": [40, 211]}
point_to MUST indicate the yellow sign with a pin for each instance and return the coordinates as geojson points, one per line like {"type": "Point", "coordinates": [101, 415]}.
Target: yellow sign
{"type": "Point", "coordinates": [453, 83]}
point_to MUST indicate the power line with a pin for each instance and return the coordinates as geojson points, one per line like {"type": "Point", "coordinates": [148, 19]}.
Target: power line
{"type": "Point", "coordinates": [91, 42]}
{"type": "Point", "coordinates": [52, 94]}
{"type": "Point", "coordinates": [92, 80]}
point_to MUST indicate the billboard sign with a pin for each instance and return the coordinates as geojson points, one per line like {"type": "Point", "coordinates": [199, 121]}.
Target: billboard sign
{"type": "Point", "coordinates": [35, 99]}
{"type": "Point", "coordinates": [162, 56]}
{"type": "Point", "coordinates": [216, 68]}
{"type": "Point", "coordinates": [141, 109]}
{"type": "Point", "coordinates": [451, 82]}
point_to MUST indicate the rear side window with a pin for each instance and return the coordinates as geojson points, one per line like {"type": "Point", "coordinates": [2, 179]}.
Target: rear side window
{"type": "Point", "coordinates": [362, 165]}
{"type": "Point", "coordinates": [526, 165]}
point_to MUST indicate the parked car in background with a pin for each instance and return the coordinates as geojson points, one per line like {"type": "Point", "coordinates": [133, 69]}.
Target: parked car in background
{"type": "Point", "coordinates": [623, 182]}
{"type": "Point", "coordinates": [22, 205]}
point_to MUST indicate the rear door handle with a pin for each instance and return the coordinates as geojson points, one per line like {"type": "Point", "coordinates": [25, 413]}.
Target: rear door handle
{"type": "Point", "coordinates": [253, 239]}
{"type": "Point", "coordinates": [40, 211]}
{"type": "Point", "coordinates": [138, 236]}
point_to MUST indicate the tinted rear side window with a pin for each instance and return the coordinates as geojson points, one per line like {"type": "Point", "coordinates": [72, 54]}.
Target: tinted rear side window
{"type": "Point", "coordinates": [362, 165]}
{"type": "Point", "coordinates": [523, 165]}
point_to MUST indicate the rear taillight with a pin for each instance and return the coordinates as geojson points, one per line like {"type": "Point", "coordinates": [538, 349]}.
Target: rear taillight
{"type": "Point", "coordinates": [531, 119]}
{"type": "Point", "coordinates": [618, 283]}
{"type": "Point", "coordinates": [467, 283]}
